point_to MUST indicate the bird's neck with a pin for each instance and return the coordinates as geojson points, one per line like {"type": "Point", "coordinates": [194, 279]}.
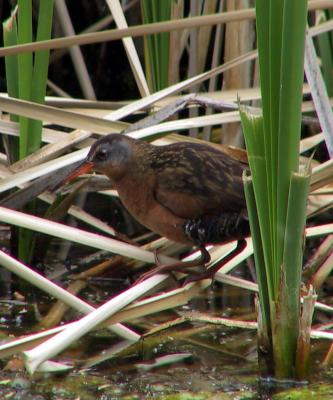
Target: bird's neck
{"type": "Point", "coordinates": [135, 193]}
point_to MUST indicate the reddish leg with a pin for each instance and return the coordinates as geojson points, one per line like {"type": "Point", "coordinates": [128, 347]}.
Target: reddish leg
{"type": "Point", "coordinates": [180, 266]}
{"type": "Point", "coordinates": [195, 268]}
{"type": "Point", "coordinates": [209, 273]}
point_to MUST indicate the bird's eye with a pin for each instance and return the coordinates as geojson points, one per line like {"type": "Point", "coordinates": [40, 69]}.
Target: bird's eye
{"type": "Point", "coordinates": [101, 155]}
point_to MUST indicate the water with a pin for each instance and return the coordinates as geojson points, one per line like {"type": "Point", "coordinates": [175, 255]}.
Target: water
{"type": "Point", "coordinates": [191, 360]}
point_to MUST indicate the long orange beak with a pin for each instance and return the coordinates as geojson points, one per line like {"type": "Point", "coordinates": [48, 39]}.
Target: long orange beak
{"type": "Point", "coordinates": [82, 169]}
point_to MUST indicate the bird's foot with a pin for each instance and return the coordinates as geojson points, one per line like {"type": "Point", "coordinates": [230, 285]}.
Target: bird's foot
{"type": "Point", "coordinates": [209, 273]}
{"type": "Point", "coordinates": [194, 267]}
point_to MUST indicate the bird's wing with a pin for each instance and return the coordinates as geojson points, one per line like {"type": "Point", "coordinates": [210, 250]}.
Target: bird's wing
{"type": "Point", "coordinates": [199, 181]}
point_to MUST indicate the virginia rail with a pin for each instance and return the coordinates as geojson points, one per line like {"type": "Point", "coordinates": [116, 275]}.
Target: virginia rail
{"type": "Point", "coordinates": [188, 192]}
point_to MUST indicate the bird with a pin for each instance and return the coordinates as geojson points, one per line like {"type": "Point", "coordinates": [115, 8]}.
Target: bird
{"type": "Point", "coordinates": [191, 193]}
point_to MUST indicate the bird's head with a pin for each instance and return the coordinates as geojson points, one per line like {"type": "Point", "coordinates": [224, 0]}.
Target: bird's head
{"type": "Point", "coordinates": [109, 155]}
